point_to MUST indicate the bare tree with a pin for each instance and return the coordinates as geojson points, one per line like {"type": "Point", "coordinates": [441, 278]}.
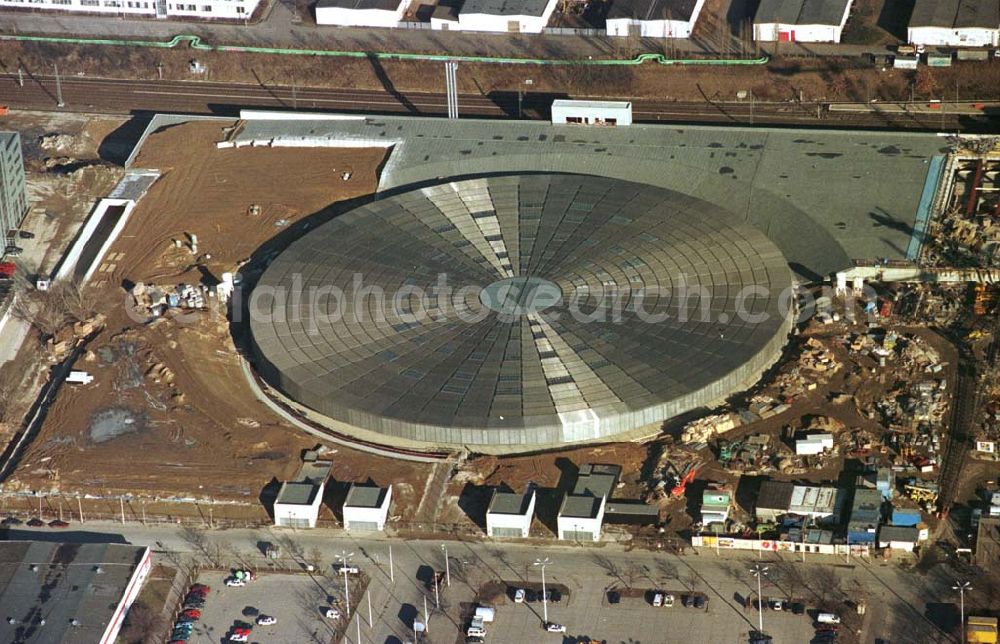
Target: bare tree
{"type": "Point", "coordinates": [609, 567]}
{"type": "Point", "coordinates": [143, 624]}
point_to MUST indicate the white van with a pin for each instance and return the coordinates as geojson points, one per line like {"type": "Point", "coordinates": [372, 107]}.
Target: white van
{"type": "Point", "coordinates": [476, 631]}
{"type": "Point", "coordinates": [827, 618]}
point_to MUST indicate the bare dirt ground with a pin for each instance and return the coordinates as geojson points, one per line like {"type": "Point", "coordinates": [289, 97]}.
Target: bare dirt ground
{"type": "Point", "coordinates": [207, 191]}
{"type": "Point", "coordinates": [833, 79]}
{"type": "Point", "coordinates": [169, 413]}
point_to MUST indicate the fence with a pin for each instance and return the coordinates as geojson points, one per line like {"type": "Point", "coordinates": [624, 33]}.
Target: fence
{"type": "Point", "coordinates": [771, 545]}
{"type": "Point", "coordinates": [573, 31]}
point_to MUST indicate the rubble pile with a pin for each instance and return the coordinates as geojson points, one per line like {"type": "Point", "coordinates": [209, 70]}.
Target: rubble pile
{"type": "Point", "coordinates": [815, 366]}
{"type": "Point", "coordinates": [154, 301]}
{"type": "Point", "coordinates": [704, 429]}
{"type": "Point", "coordinates": [69, 337]}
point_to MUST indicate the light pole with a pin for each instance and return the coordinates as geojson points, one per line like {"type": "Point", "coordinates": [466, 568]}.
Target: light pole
{"type": "Point", "coordinates": [759, 571]}
{"type": "Point", "coordinates": [344, 556]}
{"type": "Point", "coordinates": [447, 567]}
{"type": "Point", "coordinates": [962, 587]}
{"type": "Point", "coordinates": [545, 600]}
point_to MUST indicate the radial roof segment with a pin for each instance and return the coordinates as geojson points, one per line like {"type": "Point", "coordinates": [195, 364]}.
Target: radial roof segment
{"type": "Point", "coordinates": [521, 312]}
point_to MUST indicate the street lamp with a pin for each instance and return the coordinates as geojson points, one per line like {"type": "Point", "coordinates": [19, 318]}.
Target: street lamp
{"type": "Point", "coordinates": [545, 601]}
{"type": "Point", "coordinates": [447, 568]}
{"type": "Point", "coordinates": [759, 571]}
{"type": "Point", "coordinates": [962, 587]}
{"type": "Point", "coordinates": [344, 556]}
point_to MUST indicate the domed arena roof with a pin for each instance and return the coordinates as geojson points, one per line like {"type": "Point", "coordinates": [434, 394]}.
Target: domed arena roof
{"type": "Point", "coordinates": [520, 312]}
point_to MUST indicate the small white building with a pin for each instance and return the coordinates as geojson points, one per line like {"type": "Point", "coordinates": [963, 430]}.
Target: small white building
{"type": "Point", "coordinates": [360, 13]}
{"type": "Point", "coordinates": [505, 16]}
{"type": "Point", "coordinates": [898, 537]}
{"type": "Point", "coordinates": [813, 444]}
{"type": "Point", "coordinates": [653, 18]}
{"type": "Point", "coordinates": [955, 23]}
{"type": "Point", "coordinates": [581, 518]}
{"type": "Point", "coordinates": [581, 515]}
{"type": "Point", "coordinates": [205, 9]}
{"type": "Point", "coordinates": [801, 20]}
{"type": "Point", "coordinates": [367, 507]}
{"type": "Point", "coordinates": [509, 514]}
{"type": "Point", "coordinates": [605, 113]}
{"type": "Point", "coordinates": [298, 502]}
{"type": "Point", "coordinates": [714, 507]}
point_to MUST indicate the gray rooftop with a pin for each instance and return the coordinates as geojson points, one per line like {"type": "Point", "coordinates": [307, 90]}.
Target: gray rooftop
{"type": "Point", "coordinates": [775, 495]}
{"type": "Point", "coordinates": [652, 9]}
{"type": "Point", "coordinates": [581, 507]}
{"type": "Point", "coordinates": [365, 496]}
{"type": "Point", "coordinates": [824, 197]}
{"type": "Point", "coordinates": [504, 7]}
{"type": "Point", "coordinates": [802, 12]}
{"type": "Point", "coordinates": [866, 510]}
{"type": "Point", "coordinates": [66, 585]}
{"type": "Point", "coordinates": [383, 5]}
{"type": "Point", "coordinates": [510, 502]}
{"type": "Point", "coordinates": [898, 533]}
{"type": "Point", "coordinates": [597, 480]}
{"type": "Point", "coordinates": [297, 493]}
{"type": "Point", "coordinates": [956, 14]}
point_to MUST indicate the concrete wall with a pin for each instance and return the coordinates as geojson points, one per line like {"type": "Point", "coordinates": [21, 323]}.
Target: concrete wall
{"type": "Point", "coordinates": [341, 17]}
{"type": "Point", "coordinates": [502, 24]}
{"type": "Point", "coordinates": [939, 36]}
{"type": "Point", "coordinates": [206, 9]}
{"type": "Point", "coordinates": [659, 27]}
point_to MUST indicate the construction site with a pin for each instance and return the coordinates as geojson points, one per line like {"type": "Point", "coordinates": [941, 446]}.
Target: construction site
{"type": "Point", "coordinates": [886, 380]}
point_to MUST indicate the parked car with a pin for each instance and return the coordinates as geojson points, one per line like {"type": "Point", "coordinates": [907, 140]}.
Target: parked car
{"type": "Point", "coordinates": [777, 604]}
{"type": "Point", "coordinates": [531, 596]}
{"type": "Point", "coordinates": [24, 234]}
{"type": "Point", "coordinates": [239, 637]}
{"type": "Point", "coordinates": [192, 612]}
{"type": "Point", "coordinates": [614, 597]}
{"type": "Point", "coordinates": [828, 618]}
{"type": "Point", "coordinates": [35, 522]}
{"type": "Point", "coordinates": [266, 620]}
{"type": "Point", "coordinates": [552, 627]}
{"type": "Point", "coordinates": [349, 569]}
{"type": "Point", "coordinates": [658, 599]}
{"type": "Point", "coordinates": [199, 588]}
{"type": "Point", "coordinates": [12, 250]}
{"type": "Point", "coordinates": [332, 613]}
{"type": "Point", "coordinates": [519, 596]}
{"type": "Point", "coordinates": [797, 608]}
{"type": "Point", "coordinates": [555, 595]}
{"type": "Point", "coordinates": [688, 601]}
{"type": "Point", "coordinates": [58, 523]}
{"type": "Point", "coordinates": [233, 582]}
{"type": "Point", "coordinates": [668, 601]}
{"type": "Point", "coordinates": [700, 601]}
{"type": "Point", "coordinates": [476, 631]}
{"type": "Point", "coordinates": [474, 639]}
{"type": "Point", "coordinates": [11, 521]}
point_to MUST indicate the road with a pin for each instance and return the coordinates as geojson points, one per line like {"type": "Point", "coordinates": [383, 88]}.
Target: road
{"type": "Point", "coordinates": [116, 96]}
{"type": "Point", "coordinates": [899, 599]}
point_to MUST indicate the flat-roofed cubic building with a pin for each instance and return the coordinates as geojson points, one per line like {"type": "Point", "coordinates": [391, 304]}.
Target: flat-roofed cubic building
{"type": "Point", "coordinates": [866, 514]}
{"type": "Point", "coordinates": [360, 13]}
{"type": "Point", "coordinates": [509, 514]}
{"type": "Point", "coordinates": [801, 20]}
{"type": "Point", "coordinates": [955, 23]}
{"type": "Point", "coordinates": [653, 18]}
{"type": "Point", "coordinates": [581, 515]}
{"type": "Point", "coordinates": [13, 187]}
{"type": "Point", "coordinates": [299, 500]}
{"type": "Point", "coordinates": [204, 9]}
{"type": "Point", "coordinates": [82, 591]}
{"type": "Point", "coordinates": [367, 507]}
{"type": "Point", "coordinates": [514, 313]}
{"type": "Point", "coordinates": [505, 16]}
{"type": "Point", "coordinates": [602, 113]}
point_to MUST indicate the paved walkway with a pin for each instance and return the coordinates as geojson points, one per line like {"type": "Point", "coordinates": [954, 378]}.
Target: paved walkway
{"type": "Point", "coordinates": [282, 27]}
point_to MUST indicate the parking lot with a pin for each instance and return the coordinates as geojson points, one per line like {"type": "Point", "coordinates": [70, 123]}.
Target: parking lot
{"type": "Point", "coordinates": [296, 600]}
{"type": "Point", "coordinates": [591, 615]}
